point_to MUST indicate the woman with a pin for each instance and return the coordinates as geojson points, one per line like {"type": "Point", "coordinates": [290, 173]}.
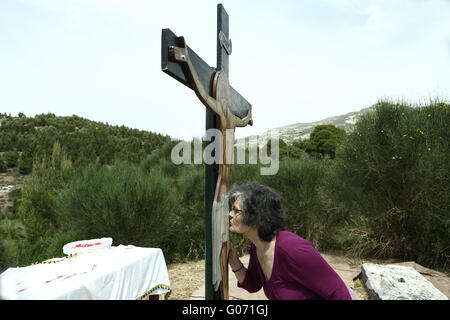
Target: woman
{"type": "Point", "coordinates": [284, 264]}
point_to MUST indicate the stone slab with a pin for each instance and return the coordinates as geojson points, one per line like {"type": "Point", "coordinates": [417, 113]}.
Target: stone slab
{"type": "Point", "coordinates": [397, 282]}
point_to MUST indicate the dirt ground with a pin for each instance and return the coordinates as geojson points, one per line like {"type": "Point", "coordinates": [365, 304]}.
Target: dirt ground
{"type": "Point", "coordinates": [187, 279]}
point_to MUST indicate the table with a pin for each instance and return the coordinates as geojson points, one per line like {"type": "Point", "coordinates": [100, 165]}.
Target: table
{"type": "Point", "coordinates": [115, 273]}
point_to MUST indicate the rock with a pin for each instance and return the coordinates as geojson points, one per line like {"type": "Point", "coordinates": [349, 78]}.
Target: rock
{"type": "Point", "coordinates": [394, 282]}
{"type": "Point", "coordinates": [440, 280]}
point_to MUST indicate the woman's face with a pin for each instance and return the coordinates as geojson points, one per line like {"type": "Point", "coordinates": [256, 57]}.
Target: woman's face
{"type": "Point", "coordinates": [235, 215]}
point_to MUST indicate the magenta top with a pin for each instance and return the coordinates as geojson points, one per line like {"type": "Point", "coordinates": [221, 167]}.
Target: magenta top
{"type": "Point", "coordinates": [299, 273]}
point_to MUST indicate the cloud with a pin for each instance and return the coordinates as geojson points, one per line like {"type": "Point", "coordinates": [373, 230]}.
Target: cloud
{"type": "Point", "coordinates": [373, 21]}
{"type": "Point", "coordinates": [73, 17]}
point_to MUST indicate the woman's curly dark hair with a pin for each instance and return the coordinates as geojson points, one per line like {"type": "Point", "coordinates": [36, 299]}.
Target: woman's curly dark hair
{"type": "Point", "coordinates": [261, 207]}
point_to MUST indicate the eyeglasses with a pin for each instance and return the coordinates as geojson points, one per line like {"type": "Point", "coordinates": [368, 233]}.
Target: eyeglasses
{"type": "Point", "coordinates": [236, 210]}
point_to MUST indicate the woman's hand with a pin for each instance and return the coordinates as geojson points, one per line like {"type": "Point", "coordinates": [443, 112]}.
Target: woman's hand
{"type": "Point", "coordinates": [236, 265]}
{"type": "Point", "coordinates": [233, 258]}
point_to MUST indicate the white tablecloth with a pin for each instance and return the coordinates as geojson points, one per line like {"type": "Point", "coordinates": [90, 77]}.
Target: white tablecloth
{"type": "Point", "coordinates": [123, 273]}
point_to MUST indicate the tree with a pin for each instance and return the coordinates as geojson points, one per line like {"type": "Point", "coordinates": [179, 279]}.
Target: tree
{"type": "Point", "coordinates": [3, 165]}
{"type": "Point", "coordinates": [11, 158]}
{"type": "Point", "coordinates": [285, 150]}
{"type": "Point", "coordinates": [25, 162]}
{"type": "Point", "coordinates": [324, 140]}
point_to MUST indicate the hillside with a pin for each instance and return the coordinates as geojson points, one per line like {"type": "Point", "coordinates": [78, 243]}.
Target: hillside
{"type": "Point", "coordinates": [302, 131]}
{"type": "Point", "coordinates": [84, 141]}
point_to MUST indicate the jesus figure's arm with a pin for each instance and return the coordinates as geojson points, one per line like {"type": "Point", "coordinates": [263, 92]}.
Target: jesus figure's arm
{"type": "Point", "coordinates": [181, 54]}
{"type": "Point", "coordinates": [244, 121]}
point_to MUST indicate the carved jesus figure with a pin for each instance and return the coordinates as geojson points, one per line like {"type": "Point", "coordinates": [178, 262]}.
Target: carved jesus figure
{"type": "Point", "coordinates": [220, 105]}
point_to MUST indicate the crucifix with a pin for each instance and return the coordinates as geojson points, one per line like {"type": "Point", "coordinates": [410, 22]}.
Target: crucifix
{"type": "Point", "coordinates": [226, 109]}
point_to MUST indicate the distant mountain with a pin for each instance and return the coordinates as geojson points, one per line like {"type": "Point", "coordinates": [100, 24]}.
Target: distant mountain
{"type": "Point", "coordinates": [301, 131]}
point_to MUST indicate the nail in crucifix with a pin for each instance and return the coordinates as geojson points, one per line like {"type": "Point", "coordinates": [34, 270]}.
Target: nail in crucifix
{"type": "Point", "coordinates": [226, 109]}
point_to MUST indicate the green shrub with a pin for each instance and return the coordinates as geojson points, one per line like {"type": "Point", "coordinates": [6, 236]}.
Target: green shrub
{"type": "Point", "coordinates": [37, 206]}
{"type": "Point", "coordinates": [25, 163]}
{"type": "Point", "coordinates": [392, 174]}
{"type": "Point", "coordinates": [11, 233]}
{"type": "Point", "coordinates": [190, 222]}
{"type": "Point", "coordinates": [11, 158]}
{"type": "Point", "coordinates": [3, 166]}
{"type": "Point", "coordinates": [122, 202]}
{"type": "Point", "coordinates": [298, 182]}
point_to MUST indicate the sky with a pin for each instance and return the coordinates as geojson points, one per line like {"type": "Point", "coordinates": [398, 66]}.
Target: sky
{"type": "Point", "coordinates": [294, 61]}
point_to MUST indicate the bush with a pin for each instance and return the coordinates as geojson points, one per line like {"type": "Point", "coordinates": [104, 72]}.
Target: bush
{"type": "Point", "coordinates": [190, 222]}
{"type": "Point", "coordinates": [3, 166]}
{"type": "Point", "coordinates": [298, 183]}
{"type": "Point", "coordinates": [11, 158]}
{"type": "Point", "coordinates": [25, 163]}
{"type": "Point", "coordinates": [122, 202]}
{"type": "Point", "coordinates": [11, 232]}
{"type": "Point", "coordinates": [37, 207]}
{"type": "Point", "coordinates": [392, 175]}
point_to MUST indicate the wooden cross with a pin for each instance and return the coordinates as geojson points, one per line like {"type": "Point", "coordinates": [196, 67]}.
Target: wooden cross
{"type": "Point", "coordinates": [226, 109]}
